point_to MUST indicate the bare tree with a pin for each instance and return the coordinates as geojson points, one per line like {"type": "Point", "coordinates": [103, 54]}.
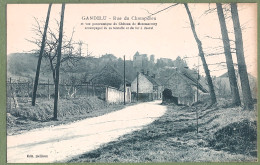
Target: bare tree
{"type": "Point", "coordinates": [202, 56]}
{"type": "Point", "coordinates": [71, 55]}
{"type": "Point", "coordinates": [242, 69]}
{"type": "Point", "coordinates": [230, 66]}
{"type": "Point", "coordinates": [40, 56]}
{"type": "Point", "coordinates": [58, 63]}
{"type": "Point", "coordinates": [201, 52]}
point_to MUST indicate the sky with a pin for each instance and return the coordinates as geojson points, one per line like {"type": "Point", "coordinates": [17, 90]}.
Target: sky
{"type": "Point", "coordinates": [170, 38]}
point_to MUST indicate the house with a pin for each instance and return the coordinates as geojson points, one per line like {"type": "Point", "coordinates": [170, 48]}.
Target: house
{"type": "Point", "coordinates": [146, 88]}
{"type": "Point", "coordinates": [185, 86]}
{"type": "Point", "coordinates": [222, 85]}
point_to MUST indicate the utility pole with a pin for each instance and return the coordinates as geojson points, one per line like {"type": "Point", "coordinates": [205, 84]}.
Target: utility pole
{"type": "Point", "coordinates": [87, 51]}
{"type": "Point", "coordinates": [198, 79]}
{"type": "Point", "coordinates": [124, 79]}
{"type": "Point", "coordinates": [48, 89]}
{"type": "Point", "coordinates": [197, 115]}
{"type": "Point", "coordinates": [137, 85]}
{"type": "Point", "coordinates": [56, 96]}
{"type": "Point", "coordinates": [80, 48]}
{"type": "Point", "coordinates": [40, 56]}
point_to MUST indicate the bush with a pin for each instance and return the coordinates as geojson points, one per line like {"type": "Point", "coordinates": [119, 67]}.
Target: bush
{"type": "Point", "coordinates": [168, 98]}
{"type": "Point", "coordinates": [239, 137]}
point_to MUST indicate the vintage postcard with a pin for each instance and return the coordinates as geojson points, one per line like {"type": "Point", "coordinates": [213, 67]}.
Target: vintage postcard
{"type": "Point", "coordinates": [131, 82]}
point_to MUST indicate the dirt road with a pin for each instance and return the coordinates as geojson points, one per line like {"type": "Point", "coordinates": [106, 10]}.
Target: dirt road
{"type": "Point", "coordinates": [61, 143]}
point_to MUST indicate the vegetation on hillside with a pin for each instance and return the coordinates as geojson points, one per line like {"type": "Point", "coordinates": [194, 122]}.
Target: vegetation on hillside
{"type": "Point", "coordinates": [23, 65]}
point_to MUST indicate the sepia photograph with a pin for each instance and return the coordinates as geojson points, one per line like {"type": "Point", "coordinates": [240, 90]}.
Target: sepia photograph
{"type": "Point", "coordinates": [131, 82]}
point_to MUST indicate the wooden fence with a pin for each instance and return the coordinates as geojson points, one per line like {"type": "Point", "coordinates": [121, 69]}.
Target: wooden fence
{"type": "Point", "coordinates": [24, 88]}
{"type": "Point", "coordinates": [21, 90]}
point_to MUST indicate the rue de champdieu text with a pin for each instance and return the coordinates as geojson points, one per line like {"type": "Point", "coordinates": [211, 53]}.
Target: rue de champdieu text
{"type": "Point", "coordinates": [135, 18]}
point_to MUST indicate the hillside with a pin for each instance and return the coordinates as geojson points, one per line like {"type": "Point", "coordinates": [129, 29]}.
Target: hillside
{"type": "Point", "coordinates": [21, 65]}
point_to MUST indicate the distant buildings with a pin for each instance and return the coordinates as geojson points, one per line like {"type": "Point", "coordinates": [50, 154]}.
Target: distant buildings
{"type": "Point", "coordinates": [165, 61]}
{"type": "Point", "coordinates": [140, 61]}
{"type": "Point", "coordinates": [143, 62]}
{"type": "Point", "coordinates": [152, 59]}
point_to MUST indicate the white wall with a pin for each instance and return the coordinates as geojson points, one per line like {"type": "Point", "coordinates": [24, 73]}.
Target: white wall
{"type": "Point", "coordinates": [116, 96]}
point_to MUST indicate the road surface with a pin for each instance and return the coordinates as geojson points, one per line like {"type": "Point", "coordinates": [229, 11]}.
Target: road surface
{"type": "Point", "coordinates": [61, 143]}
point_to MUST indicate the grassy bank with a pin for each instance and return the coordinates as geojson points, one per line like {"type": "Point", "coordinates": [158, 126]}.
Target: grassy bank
{"type": "Point", "coordinates": [224, 134]}
{"type": "Point", "coordinates": [27, 117]}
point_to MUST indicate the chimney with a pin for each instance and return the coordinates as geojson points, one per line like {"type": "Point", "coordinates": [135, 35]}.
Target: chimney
{"type": "Point", "coordinates": [153, 76]}
{"type": "Point", "coordinates": [148, 73]}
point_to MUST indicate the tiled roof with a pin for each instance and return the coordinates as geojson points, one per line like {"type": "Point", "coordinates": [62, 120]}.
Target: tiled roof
{"type": "Point", "coordinates": [153, 80]}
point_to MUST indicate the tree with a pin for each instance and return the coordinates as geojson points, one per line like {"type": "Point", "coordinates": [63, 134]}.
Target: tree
{"type": "Point", "coordinates": [201, 52]}
{"type": "Point", "coordinates": [202, 56]}
{"type": "Point", "coordinates": [71, 50]}
{"type": "Point", "coordinates": [230, 66]}
{"type": "Point", "coordinates": [40, 56]}
{"type": "Point", "coordinates": [58, 62]}
{"type": "Point", "coordinates": [242, 69]}
{"type": "Point", "coordinates": [180, 63]}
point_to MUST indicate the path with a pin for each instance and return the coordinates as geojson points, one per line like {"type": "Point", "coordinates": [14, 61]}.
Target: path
{"type": "Point", "coordinates": [61, 143]}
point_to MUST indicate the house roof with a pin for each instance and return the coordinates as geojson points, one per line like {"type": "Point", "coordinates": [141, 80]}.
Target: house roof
{"type": "Point", "coordinates": [237, 74]}
{"type": "Point", "coordinates": [250, 76]}
{"type": "Point", "coordinates": [226, 74]}
{"type": "Point", "coordinates": [187, 76]}
{"type": "Point", "coordinates": [152, 80]}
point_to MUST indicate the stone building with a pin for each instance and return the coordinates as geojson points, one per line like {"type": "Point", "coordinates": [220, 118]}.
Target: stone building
{"type": "Point", "coordinates": [184, 86]}
{"type": "Point", "coordinates": [140, 61]}
{"type": "Point", "coordinates": [148, 87]}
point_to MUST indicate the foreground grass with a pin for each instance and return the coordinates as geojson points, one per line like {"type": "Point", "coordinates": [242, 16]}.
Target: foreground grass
{"type": "Point", "coordinates": [174, 138]}
{"type": "Point", "coordinates": [27, 117]}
